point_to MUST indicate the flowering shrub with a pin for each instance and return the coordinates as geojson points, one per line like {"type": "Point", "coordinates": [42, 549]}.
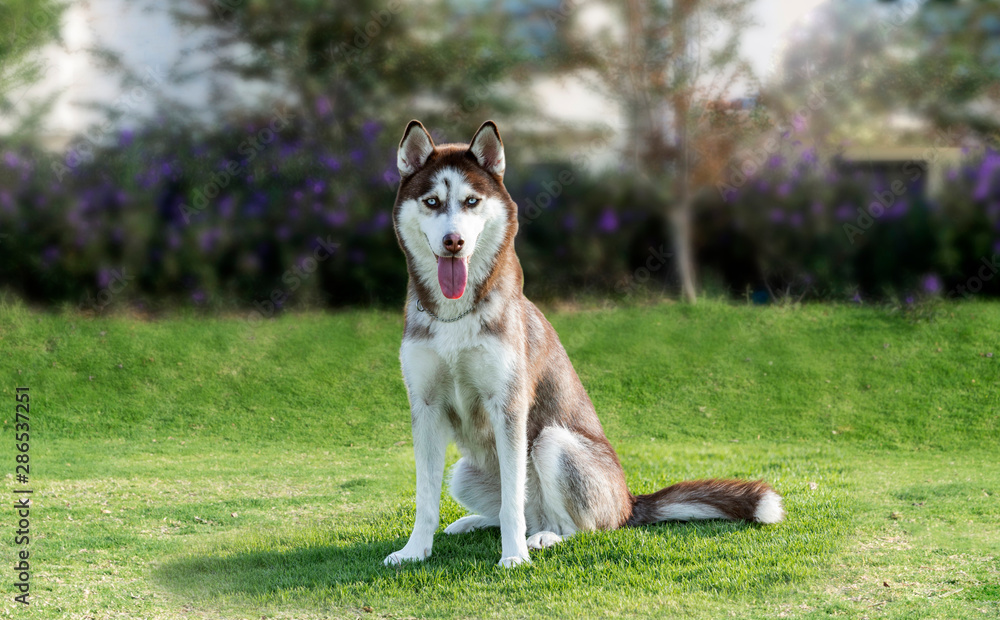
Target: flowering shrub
{"type": "Point", "coordinates": [838, 232]}
{"type": "Point", "coordinates": [261, 215]}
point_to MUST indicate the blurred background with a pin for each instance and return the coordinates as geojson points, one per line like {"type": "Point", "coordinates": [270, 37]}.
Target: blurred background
{"type": "Point", "coordinates": [240, 154]}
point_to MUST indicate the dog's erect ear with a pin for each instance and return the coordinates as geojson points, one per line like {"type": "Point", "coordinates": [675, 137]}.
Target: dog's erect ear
{"type": "Point", "coordinates": [414, 149]}
{"type": "Point", "coordinates": [487, 148]}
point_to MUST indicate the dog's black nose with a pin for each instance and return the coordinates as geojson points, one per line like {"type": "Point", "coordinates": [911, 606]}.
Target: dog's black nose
{"type": "Point", "coordinates": [453, 242]}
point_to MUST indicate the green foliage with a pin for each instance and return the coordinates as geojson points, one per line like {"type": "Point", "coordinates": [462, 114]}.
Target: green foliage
{"type": "Point", "coordinates": [342, 64]}
{"type": "Point", "coordinates": [25, 27]}
{"type": "Point", "coordinates": [858, 63]}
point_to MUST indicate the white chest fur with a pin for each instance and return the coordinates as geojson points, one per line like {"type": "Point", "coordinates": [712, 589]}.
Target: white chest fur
{"type": "Point", "coordinates": [464, 375]}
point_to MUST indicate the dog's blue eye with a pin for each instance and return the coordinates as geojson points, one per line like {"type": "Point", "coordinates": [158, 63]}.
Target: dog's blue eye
{"type": "Point", "coordinates": [431, 202]}
{"type": "Point", "coordinates": [471, 201]}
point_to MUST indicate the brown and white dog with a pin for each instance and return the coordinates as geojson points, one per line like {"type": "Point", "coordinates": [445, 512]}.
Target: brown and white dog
{"type": "Point", "coordinates": [484, 367]}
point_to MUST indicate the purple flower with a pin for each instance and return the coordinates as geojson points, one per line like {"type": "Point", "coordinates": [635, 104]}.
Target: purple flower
{"type": "Point", "coordinates": [357, 156]}
{"type": "Point", "coordinates": [569, 222]}
{"type": "Point", "coordinates": [370, 130]}
{"type": "Point", "coordinates": [817, 208]}
{"type": "Point", "coordinates": [777, 216]}
{"type": "Point", "coordinates": [845, 213]}
{"type": "Point", "coordinates": [796, 220]}
{"type": "Point", "coordinates": [318, 187]}
{"type": "Point", "coordinates": [381, 220]}
{"type": "Point", "coordinates": [608, 222]}
{"type": "Point", "coordinates": [799, 122]}
{"type": "Point", "coordinates": [323, 107]}
{"type": "Point", "coordinates": [336, 218]}
{"type": "Point", "coordinates": [331, 162]}
{"type": "Point", "coordinates": [198, 296]}
{"type": "Point", "coordinates": [226, 206]}
{"type": "Point", "coordinates": [909, 300]}
{"type": "Point", "coordinates": [898, 210]}
{"type": "Point", "coordinates": [857, 298]}
{"type": "Point", "coordinates": [986, 171]}
{"type": "Point", "coordinates": [208, 239]}
{"type": "Point", "coordinates": [775, 161]}
{"type": "Point", "coordinates": [297, 195]}
{"type": "Point", "coordinates": [11, 159]}
{"type": "Point", "coordinates": [932, 284]}
{"type": "Point", "coordinates": [784, 189]}
{"type": "Point", "coordinates": [50, 255]}
{"type": "Point", "coordinates": [125, 138]}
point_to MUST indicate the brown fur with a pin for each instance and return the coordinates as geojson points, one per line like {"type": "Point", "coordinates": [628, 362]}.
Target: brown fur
{"type": "Point", "coordinates": [737, 499]}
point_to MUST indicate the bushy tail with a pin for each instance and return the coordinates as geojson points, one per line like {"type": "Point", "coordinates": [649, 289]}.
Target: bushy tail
{"type": "Point", "coordinates": [709, 499]}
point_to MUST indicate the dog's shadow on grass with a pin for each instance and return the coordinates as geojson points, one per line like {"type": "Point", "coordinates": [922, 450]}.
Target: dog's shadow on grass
{"type": "Point", "coordinates": [323, 565]}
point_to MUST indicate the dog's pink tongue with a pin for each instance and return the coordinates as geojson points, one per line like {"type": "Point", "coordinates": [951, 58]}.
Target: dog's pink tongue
{"type": "Point", "coordinates": [452, 276]}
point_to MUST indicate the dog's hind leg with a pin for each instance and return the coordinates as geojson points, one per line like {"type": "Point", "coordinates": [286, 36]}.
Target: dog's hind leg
{"type": "Point", "coordinates": [479, 492]}
{"type": "Point", "coordinates": [580, 486]}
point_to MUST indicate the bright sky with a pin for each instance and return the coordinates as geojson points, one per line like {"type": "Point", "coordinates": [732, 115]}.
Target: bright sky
{"type": "Point", "coordinates": [777, 18]}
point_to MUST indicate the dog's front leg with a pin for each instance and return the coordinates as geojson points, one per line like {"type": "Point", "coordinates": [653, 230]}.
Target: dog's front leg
{"type": "Point", "coordinates": [430, 439]}
{"type": "Point", "coordinates": [510, 424]}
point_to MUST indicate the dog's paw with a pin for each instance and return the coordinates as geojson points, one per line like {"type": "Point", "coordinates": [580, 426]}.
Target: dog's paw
{"type": "Point", "coordinates": [514, 560]}
{"type": "Point", "coordinates": [543, 540]}
{"type": "Point", "coordinates": [395, 559]}
{"type": "Point", "coordinates": [470, 524]}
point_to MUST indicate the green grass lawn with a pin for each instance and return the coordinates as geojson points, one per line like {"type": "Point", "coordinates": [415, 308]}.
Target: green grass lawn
{"type": "Point", "coordinates": [202, 468]}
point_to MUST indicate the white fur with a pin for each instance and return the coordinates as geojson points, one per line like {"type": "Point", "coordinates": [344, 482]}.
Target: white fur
{"type": "Point", "coordinates": [544, 540]}
{"type": "Point", "coordinates": [688, 511]}
{"type": "Point", "coordinates": [413, 151]}
{"type": "Point", "coordinates": [546, 455]}
{"type": "Point", "coordinates": [769, 508]}
{"type": "Point", "coordinates": [471, 523]}
{"type": "Point", "coordinates": [487, 140]}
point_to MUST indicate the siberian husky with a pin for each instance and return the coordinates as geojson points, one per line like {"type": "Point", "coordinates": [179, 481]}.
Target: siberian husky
{"type": "Point", "coordinates": [482, 366]}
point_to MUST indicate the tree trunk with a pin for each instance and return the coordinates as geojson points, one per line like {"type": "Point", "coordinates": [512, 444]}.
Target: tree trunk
{"type": "Point", "coordinates": [680, 210]}
{"type": "Point", "coordinates": [680, 224]}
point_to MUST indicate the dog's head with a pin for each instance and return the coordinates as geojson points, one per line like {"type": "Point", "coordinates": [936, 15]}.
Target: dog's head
{"type": "Point", "coordinates": [453, 215]}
